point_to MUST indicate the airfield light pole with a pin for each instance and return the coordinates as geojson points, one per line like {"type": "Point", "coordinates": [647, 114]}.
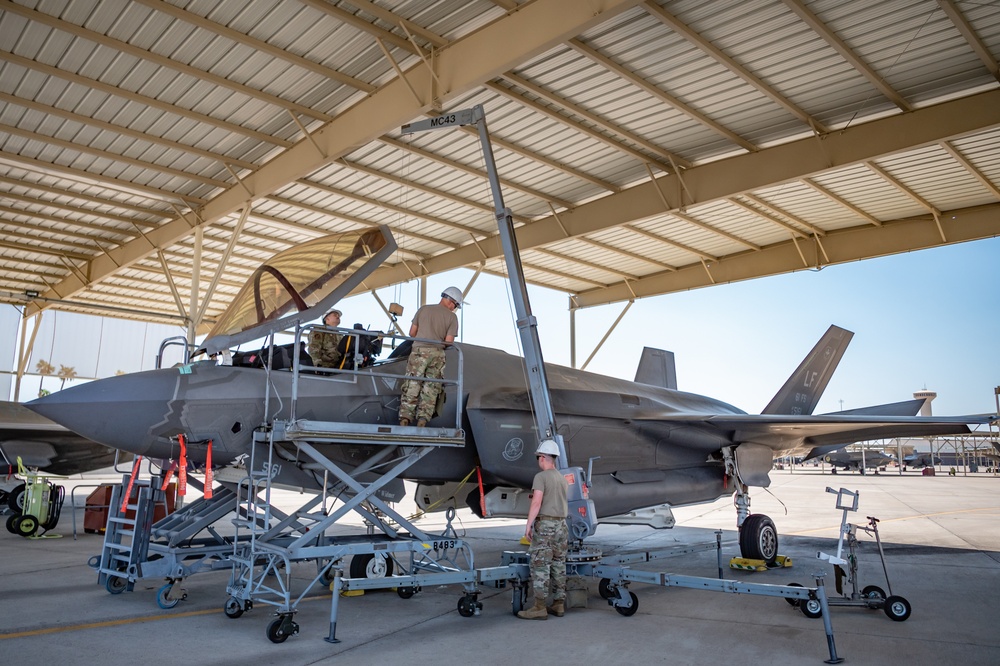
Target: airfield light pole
{"type": "Point", "coordinates": [526, 323]}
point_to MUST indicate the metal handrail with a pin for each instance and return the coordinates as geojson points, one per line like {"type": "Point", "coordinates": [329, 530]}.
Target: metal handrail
{"type": "Point", "coordinates": [337, 374]}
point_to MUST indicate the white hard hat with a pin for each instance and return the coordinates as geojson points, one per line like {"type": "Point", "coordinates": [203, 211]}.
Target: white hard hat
{"type": "Point", "coordinates": [333, 311]}
{"type": "Point", "coordinates": [455, 294]}
{"type": "Point", "coordinates": [548, 447]}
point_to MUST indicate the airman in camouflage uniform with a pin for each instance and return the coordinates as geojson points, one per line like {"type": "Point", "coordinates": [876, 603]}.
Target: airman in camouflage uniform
{"type": "Point", "coordinates": [323, 344]}
{"type": "Point", "coordinates": [549, 535]}
{"type": "Point", "coordinates": [418, 399]}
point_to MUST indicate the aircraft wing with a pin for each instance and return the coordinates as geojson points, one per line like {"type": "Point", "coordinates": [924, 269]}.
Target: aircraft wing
{"type": "Point", "coordinates": [783, 433]}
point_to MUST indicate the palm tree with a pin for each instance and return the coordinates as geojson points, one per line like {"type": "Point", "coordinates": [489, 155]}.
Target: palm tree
{"type": "Point", "coordinates": [66, 373]}
{"type": "Point", "coordinates": [44, 368]}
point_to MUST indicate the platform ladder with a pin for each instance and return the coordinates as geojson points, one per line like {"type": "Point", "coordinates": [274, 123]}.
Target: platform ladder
{"type": "Point", "coordinates": [126, 539]}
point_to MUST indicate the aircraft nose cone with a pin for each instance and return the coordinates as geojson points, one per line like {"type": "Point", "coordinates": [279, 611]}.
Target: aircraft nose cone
{"type": "Point", "coordinates": [117, 412]}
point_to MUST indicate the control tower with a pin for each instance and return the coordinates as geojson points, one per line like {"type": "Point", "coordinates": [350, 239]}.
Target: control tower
{"type": "Point", "coordinates": [928, 399]}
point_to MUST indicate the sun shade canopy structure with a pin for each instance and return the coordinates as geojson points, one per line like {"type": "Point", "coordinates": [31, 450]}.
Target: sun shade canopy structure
{"type": "Point", "coordinates": [150, 148]}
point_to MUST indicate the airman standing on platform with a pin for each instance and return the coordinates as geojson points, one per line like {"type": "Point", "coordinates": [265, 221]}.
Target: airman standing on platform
{"type": "Point", "coordinates": [434, 322]}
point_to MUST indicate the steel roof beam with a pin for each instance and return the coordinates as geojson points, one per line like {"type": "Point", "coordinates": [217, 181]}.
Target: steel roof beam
{"type": "Point", "coordinates": [124, 131]}
{"type": "Point", "coordinates": [981, 50]}
{"type": "Point", "coordinates": [143, 100]}
{"type": "Point", "coordinates": [661, 94]}
{"type": "Point", "coordinates": [162, 61]}
{"type": "Point", "coordinates": [256, 44]}
{"type": "Point", "coordinates": [842, 246]}
{"type": "Point", "coordinates": [739, 70]}
{"type": "Point", "coordinates": [847, 53]}
{"type": "Point", "coordinates": [461, 66]}
{"type": "Point", "coordinates": [743, 173]}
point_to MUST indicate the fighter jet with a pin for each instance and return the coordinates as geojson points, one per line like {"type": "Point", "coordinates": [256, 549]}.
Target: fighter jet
{"type": "Point", "coordinates": [858, 461]}
{"type": "Point", "coordinates": [645, 443]}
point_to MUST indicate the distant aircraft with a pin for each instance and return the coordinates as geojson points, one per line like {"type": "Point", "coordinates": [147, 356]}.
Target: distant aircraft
{"type": "Point", "coordinates": [650, 445]}
{"type": "Point", "coordinates": [855, 460]}
{"type": "Point", "coordinates": [918, 460]}
{"type": "Point", "coordinates": [44, 445]}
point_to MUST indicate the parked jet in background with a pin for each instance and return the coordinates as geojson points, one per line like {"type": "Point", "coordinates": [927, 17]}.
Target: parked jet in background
{"type": "Point", "coordinates": [858, 461]}
{"type": "Point", "coordinates": [47, 446]}
{"type": "Point", "coordinates": [650, 445]}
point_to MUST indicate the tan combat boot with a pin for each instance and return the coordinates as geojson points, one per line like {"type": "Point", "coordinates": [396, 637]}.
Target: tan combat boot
{"type": "Point", "coordinates": [536, 612]}
{"type": "Point", "coordinates": [558, 608]}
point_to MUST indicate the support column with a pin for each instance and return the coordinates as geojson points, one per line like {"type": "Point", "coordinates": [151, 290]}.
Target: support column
{"type": "Point", "coordinates": [199, 236]}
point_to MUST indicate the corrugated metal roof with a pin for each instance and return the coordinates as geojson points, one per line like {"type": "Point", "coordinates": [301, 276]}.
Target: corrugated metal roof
{"type": "Point", "coordinates": [117, 119]}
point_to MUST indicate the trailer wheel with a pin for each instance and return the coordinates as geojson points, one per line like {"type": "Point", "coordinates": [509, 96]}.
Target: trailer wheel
{"type": "Point", "coordinates": [233, 608]}
{"type": "Point", "coordinates": [794, 603]}
{"type": "Point", "coordinates": [605, 588]}
{"type": "Point", "coordinates": [811, 608]}
{"type": "Point", "coordinates": [115, 584]}
{"type": "Point", "coordinates": [897, 608]}
{"type": "Point", "coordinates": [25, 525]}
{"type": "Point", "coordinates": [874, 593]}
{"type": "Point", "coordinates": [759, 539]}
{"type": "Point", "coordinates": [629, 611]}
{"type": "Point", "coordinates": [10, 523]}
{"type": "Point", "coordinates": [277, 632]}
{"type": "Point", "coordinates": [161, 597]}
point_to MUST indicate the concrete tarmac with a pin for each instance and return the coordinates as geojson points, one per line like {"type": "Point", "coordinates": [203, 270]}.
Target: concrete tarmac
{"type": "Point", "coordinates": [942, 543]}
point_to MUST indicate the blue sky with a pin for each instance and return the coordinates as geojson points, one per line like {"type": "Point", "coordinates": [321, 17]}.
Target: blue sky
{"type": "Point", "coordinates": [922, 319]}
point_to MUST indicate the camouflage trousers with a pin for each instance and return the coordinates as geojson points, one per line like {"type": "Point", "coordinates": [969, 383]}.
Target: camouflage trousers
{"type": "Point", "coordinates": [418, 399]}
{"type": "Point", "coordinates": [549, 542]}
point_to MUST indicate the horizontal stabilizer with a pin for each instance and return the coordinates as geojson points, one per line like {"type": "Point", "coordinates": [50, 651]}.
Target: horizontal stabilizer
{"type": "Point", "coordinates": [904, 408]}
{"type": "Point", "coordinates": [656, 368]}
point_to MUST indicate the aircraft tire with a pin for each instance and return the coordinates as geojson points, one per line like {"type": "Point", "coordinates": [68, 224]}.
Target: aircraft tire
{"type": "Point", "coordinates": [368, 565]}
{"type": "Point", "coordinates": [15, 499]}
{"type": "Point", "coordinates": [759, 539]}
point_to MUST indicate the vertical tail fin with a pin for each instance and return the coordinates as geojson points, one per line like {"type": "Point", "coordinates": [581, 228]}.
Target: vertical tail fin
{"type": "Point", "coordinates": [656, 368]}
{"type": "Point", "coordinates": [803, 389]}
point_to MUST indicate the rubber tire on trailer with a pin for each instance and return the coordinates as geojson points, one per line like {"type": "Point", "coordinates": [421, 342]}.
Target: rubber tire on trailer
{"type": "Point", "coordinates": [811, 608]}
{"type": "Point", "coordinates": [161, 597]}
{"type": "Point", "coordinates": [275, 633]}
{"type": "Point", "coordinates": [897, 608]}
{"type": "Point", "coordinates": [794, 603]}
{"type": "Point", "coordinates": [759, 539]}
{"type": "Point", "coordinates": [873, 592]}
{"type": "Point", "coordinates": [115, 584]}
{"type": "Point", "coordinates": [467, 605]}
{"type": "Point", "coordinates": [405, 592]}
{"type": "Point", "coordinates": [10, 523]}
{"type": "Point", "coordinates": [233, 608]}
{"type": "Point", "coordinates": [25, 525]}
{"type": "Point", "coordinates": [366, 566]}
{"type": "Point", "coordinates": [605, 588]}
{"type": "Point", "coordinates": [630, 611]}
{"type": "Point", "coordinates": [15, 499]}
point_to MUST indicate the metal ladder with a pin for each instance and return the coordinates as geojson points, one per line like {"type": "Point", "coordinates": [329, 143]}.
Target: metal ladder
{"type": "Point", "coordinates": [126, 539]}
